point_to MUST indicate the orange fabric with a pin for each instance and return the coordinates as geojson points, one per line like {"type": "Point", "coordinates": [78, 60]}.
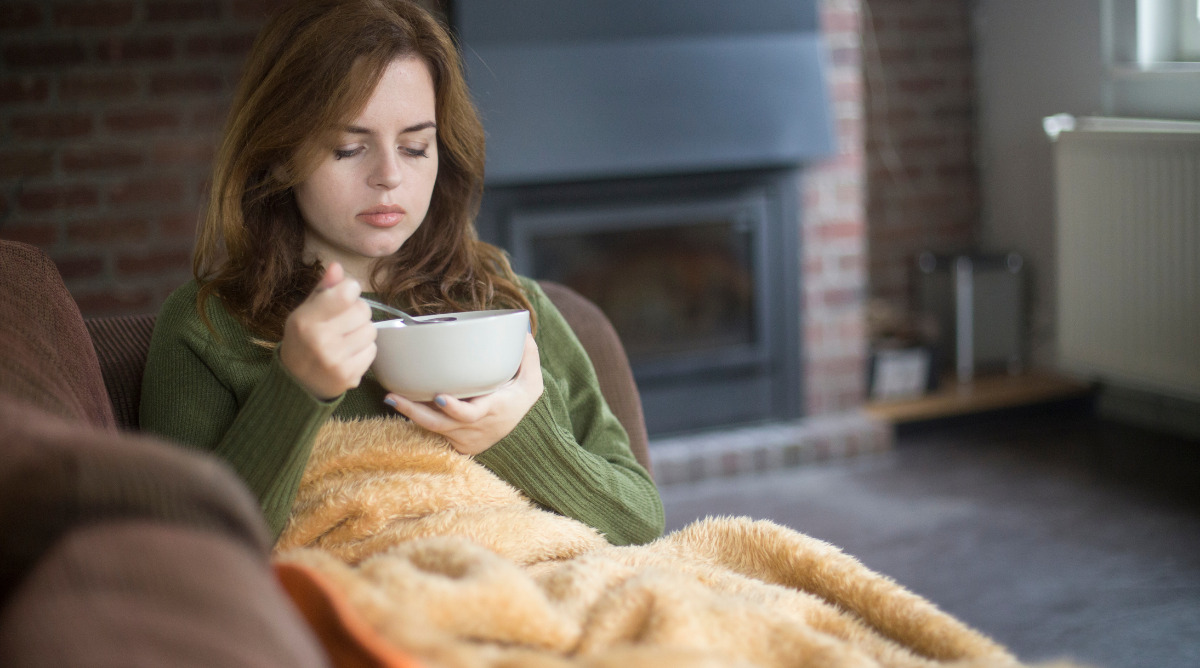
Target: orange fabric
{"type": "Point", "coordinates": [347, 638]}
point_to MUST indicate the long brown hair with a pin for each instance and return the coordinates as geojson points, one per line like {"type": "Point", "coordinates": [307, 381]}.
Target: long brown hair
{"type": "Point", "coordinates": [311, 70]}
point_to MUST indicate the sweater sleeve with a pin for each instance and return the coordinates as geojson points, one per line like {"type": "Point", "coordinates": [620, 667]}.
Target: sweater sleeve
{"type": "Point", "coordinates": [570, 453]}
{"type": "Point", "coordinates": [223, 394]}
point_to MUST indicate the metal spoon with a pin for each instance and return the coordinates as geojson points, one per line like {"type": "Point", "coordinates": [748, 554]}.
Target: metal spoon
{"type": "Point", "coordinates": [404, 317]}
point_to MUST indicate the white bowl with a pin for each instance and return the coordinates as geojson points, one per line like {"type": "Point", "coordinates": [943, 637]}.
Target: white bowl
{"type": "Point", "coordinates": [474, 354]}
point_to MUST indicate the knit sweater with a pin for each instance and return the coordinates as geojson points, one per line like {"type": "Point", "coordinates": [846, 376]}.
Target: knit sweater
{"type": "Point", "coordinates": [224, 394]}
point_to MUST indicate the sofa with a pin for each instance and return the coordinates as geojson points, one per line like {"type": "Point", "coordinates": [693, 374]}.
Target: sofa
{"type": "Point", "coordinates": [121, 549]}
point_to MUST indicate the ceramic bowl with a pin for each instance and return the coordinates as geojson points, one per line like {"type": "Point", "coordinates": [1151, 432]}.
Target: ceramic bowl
{"type": "Point", "coordinates": [470, 356]}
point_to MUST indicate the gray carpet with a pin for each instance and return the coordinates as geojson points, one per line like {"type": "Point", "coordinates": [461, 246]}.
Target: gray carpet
{"type": "Point", "coordinates": [1056, 534]}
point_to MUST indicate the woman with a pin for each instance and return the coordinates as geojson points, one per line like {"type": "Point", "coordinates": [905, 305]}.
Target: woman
{"type": "Point", "coordinates": [353, 161]}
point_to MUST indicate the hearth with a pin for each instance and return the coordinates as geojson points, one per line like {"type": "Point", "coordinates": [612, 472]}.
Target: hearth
{"type": "Point", "coordinates": [649, 156]}
{"type": "Point", "coordinates": [697, 273]}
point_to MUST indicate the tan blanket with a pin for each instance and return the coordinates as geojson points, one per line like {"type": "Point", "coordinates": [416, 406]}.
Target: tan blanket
{"type": "Point", "coordinates": [458, 568]}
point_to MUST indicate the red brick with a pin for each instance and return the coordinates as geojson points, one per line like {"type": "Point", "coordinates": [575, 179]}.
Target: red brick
{"type": "Point", "coordinates": [101, 158]}
{"type": "Point", "coordinates": [955, 55]}
{"type": "Point", "coordinates": [895, 55]}
{"type": "Point", "coordinates": [920, 85]}
{"type": "Point", "coordinates": [154, 263]}
{"type": "Point", "coordinates": [256, 10]}
{"type": "Point", "coordinates": [210, 117]}
{"type": "Point", "coordinates": [105, 231]}
{"type": "Point", "coordinates": [177, 83]}
{"type": "Point", "coordinates": [97, 86]}
{"type": "Point", "coordinates": [220, 45]}
{"type": "Point", "coordinates": [152, 190]}
{"type": "Point", "coordinates": [850, 263]}
{"type": "Point", "coordinates": [924, 25]}
{"type": "Point", "coordinates": [958, 176]}
{"type": "Point", "coordinates": [57, 53]}
{"type": "Point", "coordinates": [847, 229]}
{"type": "Point", "coordinates": [43, 234]}
{"type": "Point", "coordinates": [840, 297]}
{"type": "Point", "coordinates": [55, 197]}
{"type": "Point", "coordinates": [845, 56]}
{"type": "Point", "coordinates": [839, 21]}
{"type": "Point", "coordinates": [17, 163]}
{"type": "Point", "coordinates": [837, 366]}
{"type": "Point", "coordinates": [850, 129]}
{"type": "Point", "coordinates": [921, 143]}
{"type": "Point", "coordinates": [51, 126]}
{"type": "Point", "coordinates": [847, 91]}
{"type": "Point", "coordinates": [93, 14]}
{"type": "Point", "coordinates": [24, 89]}
{"type": "Point", "coordinates": [138, 120]}
{"type": "Point", "coordinates": [115, 301]}
{"type": "Point", "coordinates": [179, 225]}
{"type": "Point", "coordinates": [890, 174]}
{"type": "Point", "coordinates": [19, 15]}
{"type": "Point", "coordinates": [134, 49]}
{"type": "Point", "coordinates": [81, 267]}
{"type": "Point", "coordinates": [198, 152]}
{"type": "Point", "coordinates": [177, 11]}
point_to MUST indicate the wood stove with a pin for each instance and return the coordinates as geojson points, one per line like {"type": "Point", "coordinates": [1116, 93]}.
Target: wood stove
{"type": "Point", "coordinates": [648, 155]}
{"type": "Point", "coordinates": [697, 273]}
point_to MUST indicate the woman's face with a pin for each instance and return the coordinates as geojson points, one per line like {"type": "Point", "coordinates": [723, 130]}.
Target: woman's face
{"type": "Point", "coordinates": [371, 192]}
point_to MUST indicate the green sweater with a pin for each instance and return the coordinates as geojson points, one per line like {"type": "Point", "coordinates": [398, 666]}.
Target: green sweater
{"type": "Point", "coordinates": [233, 398]}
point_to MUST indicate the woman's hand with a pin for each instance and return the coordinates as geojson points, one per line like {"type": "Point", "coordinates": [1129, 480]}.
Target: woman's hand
{"type": "Point", "coordinates": [329, 341]}
{"type": "Point", "coordinates": [474, 425]}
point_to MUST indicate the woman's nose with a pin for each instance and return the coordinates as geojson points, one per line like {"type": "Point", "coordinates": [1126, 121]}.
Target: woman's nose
{"type": "Point", "coordinates": [386, 172]}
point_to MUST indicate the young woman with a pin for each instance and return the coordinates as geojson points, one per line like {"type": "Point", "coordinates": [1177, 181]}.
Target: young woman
{"type": "Point", "coordinates": [352, 163]}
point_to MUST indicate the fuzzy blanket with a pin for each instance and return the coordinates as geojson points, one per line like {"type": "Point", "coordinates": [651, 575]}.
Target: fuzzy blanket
{"type": "Point", "coordinates": [458, 568]}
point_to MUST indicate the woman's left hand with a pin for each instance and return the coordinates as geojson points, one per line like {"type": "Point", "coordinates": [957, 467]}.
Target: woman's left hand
{"type": "Point", "coordinates": [474, 425]}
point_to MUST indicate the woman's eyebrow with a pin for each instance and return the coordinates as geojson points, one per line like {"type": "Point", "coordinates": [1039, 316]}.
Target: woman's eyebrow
{"type": "Point", "coordinates": [358, 130]}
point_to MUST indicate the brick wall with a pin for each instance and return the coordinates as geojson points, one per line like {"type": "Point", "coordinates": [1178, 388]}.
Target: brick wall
{"type": "Point", "coordinates": [109, 113]}
{"type": "Point", "coordinates": [833, 236]}
{"type": "Point", "coordinates": [923, 187]}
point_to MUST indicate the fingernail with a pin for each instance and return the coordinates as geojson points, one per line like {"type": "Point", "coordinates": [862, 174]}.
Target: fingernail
{"type": "Point", "coordinates": [391, 402]}
{"type": "Point", "coordinates": [440, 401]}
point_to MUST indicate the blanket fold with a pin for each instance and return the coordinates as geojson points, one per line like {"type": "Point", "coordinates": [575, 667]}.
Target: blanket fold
{"type": "Point", "coordinates": [455, 566]}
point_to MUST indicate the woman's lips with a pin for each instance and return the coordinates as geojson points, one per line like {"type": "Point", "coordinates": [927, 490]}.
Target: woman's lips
{"type": "Point", "coordinates": [382, 216]}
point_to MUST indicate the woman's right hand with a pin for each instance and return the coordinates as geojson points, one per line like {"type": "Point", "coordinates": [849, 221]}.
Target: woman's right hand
{"type": "Point", "coordinates": [329, 341]}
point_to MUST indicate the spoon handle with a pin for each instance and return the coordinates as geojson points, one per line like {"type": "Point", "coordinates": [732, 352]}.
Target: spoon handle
{"type": "Point", "coordinates": [404, 317]}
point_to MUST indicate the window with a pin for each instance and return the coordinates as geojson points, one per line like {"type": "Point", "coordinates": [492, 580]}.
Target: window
{"type": "Point", "coordinates": [1152, 51]}
{"type": "Point", "coordinates": [1168, 31]}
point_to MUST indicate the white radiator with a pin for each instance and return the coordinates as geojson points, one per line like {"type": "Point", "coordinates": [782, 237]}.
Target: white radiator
{"type": "Point", "coordinates": [1128, 254]}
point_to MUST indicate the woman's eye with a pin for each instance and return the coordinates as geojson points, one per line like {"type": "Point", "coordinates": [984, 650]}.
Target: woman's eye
{"type": "Point", "coordinates": [414, 152]}
{"type": "Point", "coordinates": [340, 153]}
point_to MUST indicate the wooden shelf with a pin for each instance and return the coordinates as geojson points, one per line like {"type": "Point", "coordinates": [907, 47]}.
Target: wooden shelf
{"type": "Point", "coordinates": [984, 393]}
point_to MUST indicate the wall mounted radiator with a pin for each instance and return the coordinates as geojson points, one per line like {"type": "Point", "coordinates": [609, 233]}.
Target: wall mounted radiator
{"type": "Point", "coordinates": [1128, 255]}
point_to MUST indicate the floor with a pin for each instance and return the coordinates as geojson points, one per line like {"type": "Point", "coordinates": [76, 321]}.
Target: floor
{"type": "Point", "coordinates": [1059, 535]}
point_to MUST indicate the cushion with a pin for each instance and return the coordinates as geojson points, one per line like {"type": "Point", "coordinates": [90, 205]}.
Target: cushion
{"type": "Point", "coordinates": [123, 550]}
{"type": "Point", "coordinates": [135, 592]}
{"type": "Point", "coordinates": [48, 358]}
{"type": "Point", "coordinates": [604, 348]}
{"type": "Point", "coordinates": [57, 474]}
{"type": "Point", "coordinates": [122, 343]}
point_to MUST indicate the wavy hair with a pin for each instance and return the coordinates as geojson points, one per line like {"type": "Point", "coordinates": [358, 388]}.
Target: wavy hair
{"type": "Point", "coordinates": [311, 70]}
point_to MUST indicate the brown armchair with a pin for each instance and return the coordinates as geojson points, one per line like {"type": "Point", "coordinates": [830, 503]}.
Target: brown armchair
{"type": "Point", "coordinates": [119, 550]}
